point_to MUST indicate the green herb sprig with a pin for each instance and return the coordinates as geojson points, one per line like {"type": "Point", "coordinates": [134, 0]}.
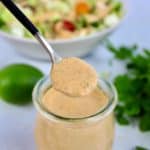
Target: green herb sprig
{"type": "Point", "coordinates": [133, 86]}
{"type": "Point", "coordinates": [140, 148]}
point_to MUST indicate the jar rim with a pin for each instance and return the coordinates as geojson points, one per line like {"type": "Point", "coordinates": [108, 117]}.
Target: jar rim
{"type": "Point", "coordinates": [44, 84]}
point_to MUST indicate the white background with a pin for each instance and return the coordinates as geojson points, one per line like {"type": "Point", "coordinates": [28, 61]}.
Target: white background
{"type": "Point", "coordinates": [17, 123]}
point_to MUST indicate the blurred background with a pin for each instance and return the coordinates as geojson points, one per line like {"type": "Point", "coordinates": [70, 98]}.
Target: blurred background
{"type": "Point", "coordinates": [17, 123]}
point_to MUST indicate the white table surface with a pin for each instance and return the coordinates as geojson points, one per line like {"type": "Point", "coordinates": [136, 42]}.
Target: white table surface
{"type": "Point", "coordinates": [17, 123]}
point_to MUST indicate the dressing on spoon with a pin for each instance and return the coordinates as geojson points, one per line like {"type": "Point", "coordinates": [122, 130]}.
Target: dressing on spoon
{"type": "Point", "coordinates": [73, 77]}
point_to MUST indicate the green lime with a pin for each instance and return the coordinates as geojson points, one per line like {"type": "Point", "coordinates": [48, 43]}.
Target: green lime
{"type": "Point", "coordinates": [17, 82]}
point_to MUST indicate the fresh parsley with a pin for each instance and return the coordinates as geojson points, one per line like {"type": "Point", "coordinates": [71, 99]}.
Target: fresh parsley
{"type": "Point", "coordinates": [140, 148]}
{"type": "Point", "coordinates": [133, 86]}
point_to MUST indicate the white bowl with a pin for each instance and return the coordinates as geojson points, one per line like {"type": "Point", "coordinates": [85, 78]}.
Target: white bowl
{"type": "Point", "coordinates": [78, 46]}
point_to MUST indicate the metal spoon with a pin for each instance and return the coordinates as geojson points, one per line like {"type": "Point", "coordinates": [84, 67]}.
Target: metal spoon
{"type": "Point", "coordinates": [11, 6]}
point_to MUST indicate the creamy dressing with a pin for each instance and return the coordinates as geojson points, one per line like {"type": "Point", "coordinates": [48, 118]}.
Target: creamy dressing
{"type": "Point", "coordinates": [74, 77]}
{"type": "Point", "coordinates": [63, 105]}
{"type": "Point", "coordinates": [61, 136]}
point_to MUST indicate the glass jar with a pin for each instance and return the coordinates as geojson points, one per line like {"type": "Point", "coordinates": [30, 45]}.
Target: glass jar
{"type": "Point", "coordinates": [95, 132]}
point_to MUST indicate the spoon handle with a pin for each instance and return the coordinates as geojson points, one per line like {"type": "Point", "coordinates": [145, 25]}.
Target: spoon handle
{"type": "Point", "coordinates": [11, 6]}
{"type": "Point", "coordinates": [20, 16]}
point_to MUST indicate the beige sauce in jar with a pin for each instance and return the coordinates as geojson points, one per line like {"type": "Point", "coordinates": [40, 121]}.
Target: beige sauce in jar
{"type": "Point", "coordinates": [74, 77]}
{"type": "Point", "coordinates": [74, 107]}
{"type": "Point", "coordinates": [60, 136]}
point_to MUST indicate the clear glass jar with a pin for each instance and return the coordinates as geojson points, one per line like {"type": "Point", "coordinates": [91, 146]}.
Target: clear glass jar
{"type": "Point", "coordinates": [95, 132]}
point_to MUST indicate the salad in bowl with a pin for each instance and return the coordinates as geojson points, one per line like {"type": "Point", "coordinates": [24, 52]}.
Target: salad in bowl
{"type": "Point", "coordinates": [63, 19]}
{"type": "Point", "coordinates": [72, 27]}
